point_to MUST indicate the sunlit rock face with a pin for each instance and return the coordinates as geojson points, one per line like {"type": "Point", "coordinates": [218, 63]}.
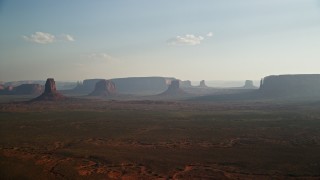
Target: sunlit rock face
{"type": "Point", "coordinates": [291, 85]}
{"type": "Point", "coordinates": [50, 92]}
{"type": "Point", "coordinates": [104, 88]}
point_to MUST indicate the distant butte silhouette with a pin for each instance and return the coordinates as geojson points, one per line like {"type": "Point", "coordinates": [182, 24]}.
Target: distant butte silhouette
{"type": "Point", "coordinates": [50, 92]}
{"type": "Point", "coordinates": [104, 88]}
{"type": "Point", "coordinates": [203, 84]}
{"type": "Point", "coordinates": [248, 84]}
{"type": "Point", "coordinates": [174, 89]}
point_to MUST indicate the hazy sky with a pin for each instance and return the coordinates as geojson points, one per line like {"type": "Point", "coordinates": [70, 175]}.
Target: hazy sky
{"type": "Point", "coordinates": [186, 39]}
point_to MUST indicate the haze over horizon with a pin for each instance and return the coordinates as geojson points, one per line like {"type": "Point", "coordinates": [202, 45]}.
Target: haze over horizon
{"type": "Point", "coordinates": [186, 39]}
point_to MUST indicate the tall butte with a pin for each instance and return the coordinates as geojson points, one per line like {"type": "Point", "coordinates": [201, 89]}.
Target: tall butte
{"type": "Point", "coordinates": [174, 89]}
{"type": "Point", "coordinates": [50, 92]}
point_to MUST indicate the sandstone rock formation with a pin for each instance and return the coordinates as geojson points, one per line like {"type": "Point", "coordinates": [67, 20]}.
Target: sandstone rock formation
{"type": "Point", "coordinates": [2, 89]}
{"type": "Point", "coordinates": [50, 93]}
{"type": "Point", "coordinates": [86, 86]}
{"type": "Point", "coordinates": [9, 88]}
{"type": "Point", "coordinates": [291, 85]}
{"type": "Point", "coordinates": [131, 85]}
{"type": "Point", "coordinates": [203, 84]}
{"type": "Point", "coordinates": [104, 88]}
{"type": "Point", "coordinates": [23, 89]}
{"type": "Point", "coordinates": [140, 85]}
{"type": "Point", "coordinates": [6, 90]}
{"type": "Point", "coordinates": [174, 89]}
{"type": "Point", "coordinates": [185, 84]}
{"type": "Point", "coordinates": [28, 89]}
{"type": "Point", "coordinates": [249, 85]}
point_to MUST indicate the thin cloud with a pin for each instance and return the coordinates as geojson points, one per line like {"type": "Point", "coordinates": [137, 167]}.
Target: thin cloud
{"type": "Point", "coordinates": [66, 37]}
{"type": "Point", "coordinates": [210, 34]}
{"type": "Point", "coordinates": [188, 39]}
{"type": "Point", "coordinates": [101, 56]}
{"type": "Point", "coordinates": [47, 38]}
{"type": "Point", "coordinates": [40, 37]}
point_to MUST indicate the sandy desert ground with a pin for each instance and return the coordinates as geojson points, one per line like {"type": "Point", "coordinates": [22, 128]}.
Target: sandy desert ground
{"type": "Point", "coordinates": [146, 139]}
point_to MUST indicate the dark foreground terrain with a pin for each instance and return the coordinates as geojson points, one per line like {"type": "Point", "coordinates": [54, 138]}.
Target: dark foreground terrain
{"type": "Point", "coordinates": [91, 139]}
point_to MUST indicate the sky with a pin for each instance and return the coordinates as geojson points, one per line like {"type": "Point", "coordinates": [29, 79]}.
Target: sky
{"type": "Point", "coordinates": [187, 39]}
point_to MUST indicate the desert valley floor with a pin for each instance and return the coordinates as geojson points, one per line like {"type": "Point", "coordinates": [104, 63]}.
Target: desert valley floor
{"type": "Point", "coordinates": [147, 139]}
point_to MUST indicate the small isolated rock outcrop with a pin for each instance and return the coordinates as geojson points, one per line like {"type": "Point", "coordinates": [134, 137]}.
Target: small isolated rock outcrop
{"type": "Point", "coordinates": [203, 84]}
{"type": "Point", "coordinates": [174, 89]}
{"type": "Point", "coordinates": [104, 88]}
{"type": "Point", "coordinates": [50, 92]}
{"type": "Point", "coordinates": [249, 85]}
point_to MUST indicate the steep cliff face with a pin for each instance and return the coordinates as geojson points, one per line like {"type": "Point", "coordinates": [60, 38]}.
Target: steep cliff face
{"type": "Point", "coordinates": [50, 92]}
{"type": "Point", "coordinates": [87, 86]}
{"type": "Point", "coordinates": [291, 85]}
{"type": "Point", "coordinates": [140, 85]}
{"type": "Point", "coordinates": [174, 89]}
{"type": "Point", "coordinates": [104, 88]}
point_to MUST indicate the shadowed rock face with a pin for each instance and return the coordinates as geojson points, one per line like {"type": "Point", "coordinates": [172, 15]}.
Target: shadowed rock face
{"type": "Point", "coordinates": [174, 89]}
{"type": "Point", "coordinates": [28, 89]}
{"type": "Point", "coordinates": [50, 93]}
{"type": "Point", "coordinates": [249, 85]}
{"type": "Point", "coordinates": [291, 85]}
{"type": "Point", "coordinates": [174, 85]}
{"type": "Point", "coordinates": [104, 88]}
{"type": "Point", "coordinates": [203, 84]}
{"type": "Point", "coordinates": [87, 86]}
{"type": "Point", "coordinates": [50, 86]}
{"type": "Point", "coordinates": [6, 90]}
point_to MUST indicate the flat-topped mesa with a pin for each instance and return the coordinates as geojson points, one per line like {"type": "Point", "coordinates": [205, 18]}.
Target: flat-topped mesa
{"type": "Point", "coordinates": [104, 88]}
{"type": "Point", "coordinates": [50, 92]}
{"type": "Point", "coordinates": [28, 89]}
{"type": "Point", "coordinates": [203, 84]}
{"type": "Point", "coordinates": [291, 85]}
{"type": "Point", "coordinates": [249, 85]}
